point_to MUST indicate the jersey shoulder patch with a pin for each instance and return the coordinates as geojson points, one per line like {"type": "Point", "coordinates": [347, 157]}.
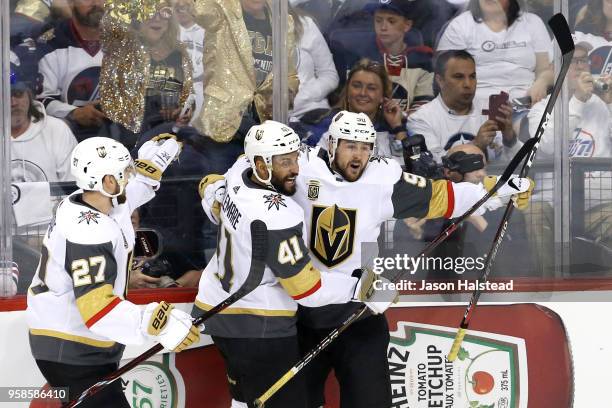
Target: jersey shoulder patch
{"type": "Point", "coordinates": [82, 224]}
{"type": "Point", "coordinates": [278, 211]}
{"type": "Point", "coordinates": [382, 170]}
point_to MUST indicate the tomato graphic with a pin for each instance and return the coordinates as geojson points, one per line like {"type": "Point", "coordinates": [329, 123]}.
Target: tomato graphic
{"type": "Point", "coordinates": [482, 382]}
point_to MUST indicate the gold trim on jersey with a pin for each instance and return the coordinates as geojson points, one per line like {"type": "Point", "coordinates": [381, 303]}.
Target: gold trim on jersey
{"type": "Point", "coordinates": [438, 203]}
{"type": "Point", "coordinates": [301, 282]}
{"type": "Point", "coordinates": [332, 233]}
{"type": "Point", "coordinates": [94, 301]}
{"type": "Point", "coordinates": [244, 310]}
{"type": "Point", "coordinates": [72, 337]}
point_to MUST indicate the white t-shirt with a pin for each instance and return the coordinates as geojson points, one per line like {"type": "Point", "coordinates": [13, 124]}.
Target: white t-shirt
{"type": "Point", "coordinates": [505, 61]}
{"type": "Point", "coordinates": [443, 129]}
{"type": "Point", "coordinates": [590, 136]}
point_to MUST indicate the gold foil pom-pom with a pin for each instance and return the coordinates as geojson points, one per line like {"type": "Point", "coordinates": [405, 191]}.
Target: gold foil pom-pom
{"type": "Point", "coordinates": [128, 11]}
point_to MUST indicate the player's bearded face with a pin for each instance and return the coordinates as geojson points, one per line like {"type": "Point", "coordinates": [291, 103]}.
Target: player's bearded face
{"type": "Point", "coordinates": [351, 159]}
{"type": "Point", "coordinates": [284, 174]}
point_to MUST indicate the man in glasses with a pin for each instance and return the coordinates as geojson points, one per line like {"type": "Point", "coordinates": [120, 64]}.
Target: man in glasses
{"type": "Point", "coordinates": [38, 141]}
{"type": "Point", "coordinates": [590, 136]}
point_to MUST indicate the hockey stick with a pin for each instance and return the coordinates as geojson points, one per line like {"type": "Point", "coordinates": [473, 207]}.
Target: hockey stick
{"type": "Point", "coordinates": [514, 163]}
{"type": "Point", "coordinates": [562, 34]}
{"type": "Point", "coordinates": [259, 233]}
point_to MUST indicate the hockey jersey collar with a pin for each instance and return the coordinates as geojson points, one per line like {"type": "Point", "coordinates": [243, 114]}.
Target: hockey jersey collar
{"type": "Point", "coordinates": [78, 200]}
{"type": "Point", "coordinates": [246, 179]}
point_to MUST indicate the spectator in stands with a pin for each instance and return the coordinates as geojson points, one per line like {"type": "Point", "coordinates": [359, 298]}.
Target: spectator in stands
{"type": "Point", "coordinates": [70, 61]}
{"type": "Point", "coordinates": [151, 87]}
{"type": "Point", "coordinates": [40, 145]}
{"type": "Point", "coordinates": [367, 90]}
{"type": "Point", "coordinates": [455, 116]}
{"type": "Point", "coordinates": [315, 67]}
{"type": "Point", "coordinates": [408, 66]}
{"type": "Point", "coordinates": [429, 16]}
{"type": "Point", "coordinates": [589, 113]}
{"type": "Point", "coordinates": [192, 36]}
{"type": "Point", "coordinates": [594, 24]}
{"type": "Point", "coordinates": [590, 136]}
{"type": "Point", "coordinates": [511, 48]}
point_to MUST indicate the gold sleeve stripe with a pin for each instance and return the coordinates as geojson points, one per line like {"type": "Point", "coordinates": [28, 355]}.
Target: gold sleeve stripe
{"type": "Point", "coordinates": [302, 282]}
{"type": "Point", "coordinates": [72, 337]}
{"type": "Point", "coordinates": [441, 197]}
{"type": "Point", "coordinates": [96, 303]}
{"type": "Point", "coordinates": [243, 310]}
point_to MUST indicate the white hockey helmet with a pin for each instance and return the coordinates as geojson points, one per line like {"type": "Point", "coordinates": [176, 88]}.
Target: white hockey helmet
{"type": "Point", "coordinates": [96, 157]}
{"type": "Point", "coordinates": [267, 140]}
{"type": "Point", "coordinates": [350, 126]}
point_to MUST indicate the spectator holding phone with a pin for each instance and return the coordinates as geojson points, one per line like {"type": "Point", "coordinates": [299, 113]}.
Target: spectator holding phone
{"type": "Point", "coordinates": [590, 136]}
{"type": "Point", "coordinates": [455, 117]}
{"type": "Point", "coordinates": [511, 48]}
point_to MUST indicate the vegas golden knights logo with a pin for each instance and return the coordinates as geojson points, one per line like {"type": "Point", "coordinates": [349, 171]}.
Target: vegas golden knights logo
{"type": "Point", "coordinates": [332, 233]}
{"type": "Point", "coordinates": [313, 189]}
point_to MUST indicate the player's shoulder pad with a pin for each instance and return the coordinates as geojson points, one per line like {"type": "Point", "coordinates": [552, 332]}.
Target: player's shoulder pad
{"type": "Point", "coordinates": [382, 170]}
{"type": "Point", "coordinates": [82, 224]}
{"type": "Point", "coordinates": [278, 211]}
{"type": "Point", "coordinates": [241, 164]}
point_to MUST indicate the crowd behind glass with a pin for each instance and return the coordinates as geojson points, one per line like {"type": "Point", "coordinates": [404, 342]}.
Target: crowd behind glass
{"type": "Point", "coordinates": [436, 77]}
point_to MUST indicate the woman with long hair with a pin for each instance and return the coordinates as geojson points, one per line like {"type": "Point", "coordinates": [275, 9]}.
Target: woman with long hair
{"type": "Point", "coordinates": [511, 48]}
{"type": "Point", "coordinates": [367, 90]}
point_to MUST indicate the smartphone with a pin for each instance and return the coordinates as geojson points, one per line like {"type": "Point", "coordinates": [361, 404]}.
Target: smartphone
{"type": "Point", "coordinates": [495, 102]}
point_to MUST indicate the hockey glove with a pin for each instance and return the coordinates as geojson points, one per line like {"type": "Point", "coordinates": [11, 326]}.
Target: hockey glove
{"type": "Point", "coordinates": [212, 192]}
{"type": "Point", "coordinates": [518, 188]}
{"type": "Point", "coordinates": [153, 159]}
{"type": "Point", "coordinates": [171, 327]}
{"type": "Point", "coordinates": [372, 290]}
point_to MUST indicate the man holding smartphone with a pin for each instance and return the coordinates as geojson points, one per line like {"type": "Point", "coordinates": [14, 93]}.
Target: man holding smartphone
{"type": "Point", "coordinates": [453, 118]}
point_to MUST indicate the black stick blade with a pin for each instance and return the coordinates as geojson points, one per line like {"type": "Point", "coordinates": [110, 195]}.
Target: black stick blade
{"type": "Point", "coordinates": [560, 28]}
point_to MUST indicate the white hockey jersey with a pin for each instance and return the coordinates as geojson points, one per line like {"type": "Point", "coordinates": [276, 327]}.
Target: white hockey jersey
{"type": "Point", "coordinates": [77, 312]}
{"type": "Point", "coordinates": [340, 216]}
{"type": "Point", "coordinates": [70, 73]}
{"type": "Point", "coordinates": [289, 277]}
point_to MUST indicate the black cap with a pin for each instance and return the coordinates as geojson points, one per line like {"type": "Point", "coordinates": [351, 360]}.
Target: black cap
{"type": "Point", "coordinates": [402, 7]}
{"type": "Point", "coordinates": [17, 83]}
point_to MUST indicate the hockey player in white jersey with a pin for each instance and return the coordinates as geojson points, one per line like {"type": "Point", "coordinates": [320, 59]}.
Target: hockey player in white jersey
{"type": "Point", "coordinates": [257, 334]}
{"type": "Point", "coordinates": [78, 317]}
{"type": "Point", "coordinates": [346, 196]}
